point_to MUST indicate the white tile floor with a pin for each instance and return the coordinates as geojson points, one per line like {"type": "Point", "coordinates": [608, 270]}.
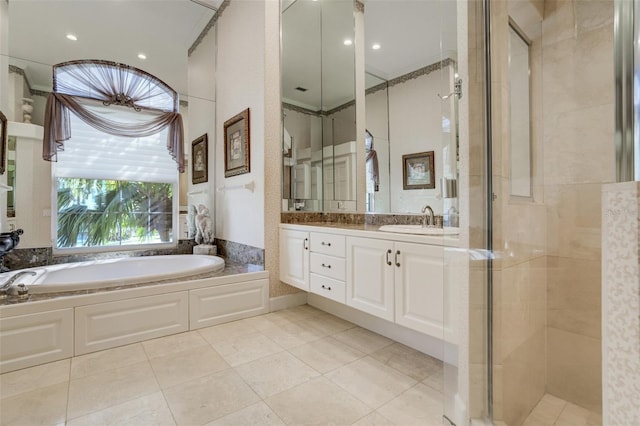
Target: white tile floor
{"type": "Point", "coordinates": [553, 411]}
{"type": "Point", "coordinates": [298, 366]}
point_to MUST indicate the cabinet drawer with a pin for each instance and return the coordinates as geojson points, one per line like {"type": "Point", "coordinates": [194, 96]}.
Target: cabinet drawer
{"type": "Point", "coordinates": [329, 266]}
{"type": "Point", "coordinates": [329, 288]}
{"type": "Point", "coordinates": [333, 245]}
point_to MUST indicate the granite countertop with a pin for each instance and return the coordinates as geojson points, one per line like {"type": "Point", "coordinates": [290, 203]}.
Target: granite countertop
{"type": "Point", "coordinates": [354, 226]}
{"type": "Point", "coordinates": [230, 268]}
{"type": "Point", "coordinates": [373, 231]}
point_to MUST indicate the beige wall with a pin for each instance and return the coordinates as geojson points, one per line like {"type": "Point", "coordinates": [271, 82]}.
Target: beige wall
{"type": "Point", "coordinates": [519, 235]}
{"type": "Point", "coordinates": [578, 158]}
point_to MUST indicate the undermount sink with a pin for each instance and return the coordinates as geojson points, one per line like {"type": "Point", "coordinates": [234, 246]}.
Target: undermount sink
{"type": "Point", "coordinates": [419, 230]}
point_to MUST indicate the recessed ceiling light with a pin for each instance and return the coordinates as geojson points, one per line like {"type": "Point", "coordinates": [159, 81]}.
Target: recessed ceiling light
{"type": "Point", "coordinates": [348, 42]}
{"type": "Point", "coordinates": [72, 37]}
{"type": "Point", "coordinates": [142, 56]}
{"type": "Point", "coordinates": [375, 46]}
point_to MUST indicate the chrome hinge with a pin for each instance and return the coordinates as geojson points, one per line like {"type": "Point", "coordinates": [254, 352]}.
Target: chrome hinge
{"type": "Point", "coordinates": [457, 90]}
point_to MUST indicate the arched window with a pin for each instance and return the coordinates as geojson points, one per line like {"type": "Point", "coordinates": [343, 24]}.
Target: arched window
{"type": "Point", "coordinates": [115, 135]}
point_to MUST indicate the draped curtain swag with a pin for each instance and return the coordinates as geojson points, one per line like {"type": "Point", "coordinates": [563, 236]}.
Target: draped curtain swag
{"type": "Point", "coordinates": [112, 84]}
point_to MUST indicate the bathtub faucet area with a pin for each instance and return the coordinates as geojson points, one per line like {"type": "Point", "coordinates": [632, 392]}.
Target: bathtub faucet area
{"type": "Point", "coordinates": [20, 290]}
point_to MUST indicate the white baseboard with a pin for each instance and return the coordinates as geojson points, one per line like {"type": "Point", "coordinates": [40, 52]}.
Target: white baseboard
{"type": "Point", "coordinates": [429, 345]}
{"type": "Point", "coordinates": [287, 301]}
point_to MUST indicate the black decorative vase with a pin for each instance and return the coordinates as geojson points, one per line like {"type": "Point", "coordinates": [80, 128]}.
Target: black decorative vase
{"type": "Point", "coordinates": [8, 241]}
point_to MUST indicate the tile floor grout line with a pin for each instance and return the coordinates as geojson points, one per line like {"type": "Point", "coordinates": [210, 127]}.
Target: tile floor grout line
{"type": "Point", "coordinates": [166, 401]}
{"type": "Point", "coordinates": [66, 408]}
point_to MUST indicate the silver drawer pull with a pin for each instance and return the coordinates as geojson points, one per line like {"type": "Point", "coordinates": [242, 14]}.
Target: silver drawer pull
{"type": "Point", "coordinates": [326, 266]}
{"type": "Point", "coordinates": [388, 253]}
{"type": "Point", "coordinates": [326, 244]}
{"type": "Point", "coordinates": [326, 287]}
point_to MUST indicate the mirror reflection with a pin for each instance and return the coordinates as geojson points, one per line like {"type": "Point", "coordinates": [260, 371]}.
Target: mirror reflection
{"type": "Point", "coordinates": [318, 93]}
{"type": "Point", "coordinates": [410, 67]}
{"type": "Point", "coordinates": [410, 107]}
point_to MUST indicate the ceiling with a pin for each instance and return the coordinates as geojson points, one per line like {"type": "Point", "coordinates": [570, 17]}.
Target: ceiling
{"type": "Point", "coordinates": [412, 34]}
{"type": "Point", "coordinates": [114, 30]}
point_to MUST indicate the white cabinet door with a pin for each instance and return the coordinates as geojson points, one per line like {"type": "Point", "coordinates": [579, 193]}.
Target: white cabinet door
{"type": "Point", "coordinates": [107, 325]}
{"type": "Point", "coordinates": [294, 258]}
{"type": "Point", "coordinates": [370, 276]}
{"type": "Point", "coordinates": [224, 303]}
{"type": "Point", "coordinates": [419, 288]}
{"type": "Point", "coordinates": [32, 339]}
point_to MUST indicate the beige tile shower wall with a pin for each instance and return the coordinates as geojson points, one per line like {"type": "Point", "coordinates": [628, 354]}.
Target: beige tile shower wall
{"type": "Point", "coordinates": [520, 234]}
{"type": "Point", "coordinates": [578, 158]}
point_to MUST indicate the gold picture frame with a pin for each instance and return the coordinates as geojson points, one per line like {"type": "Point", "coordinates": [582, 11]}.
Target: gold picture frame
{"type": "Point", "coordinates": [237, 145]}
{"type": "Point", "coordinates": [200, 160]}
{"type": "Point", "coordinates": [418, 171]}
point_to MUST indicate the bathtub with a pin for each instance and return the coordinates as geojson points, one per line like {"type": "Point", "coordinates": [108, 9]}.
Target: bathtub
{"type": "Point", "coordinates": [78, 308]}
{"type": "Point", "coordinates": [106, 273]}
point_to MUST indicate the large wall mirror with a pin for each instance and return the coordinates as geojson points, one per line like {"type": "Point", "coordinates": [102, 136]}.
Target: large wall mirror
{"type": "Point", "coordinates": [410, 76]}
{"type": "Point", "coordinates": [75, 29]}
{"type": "Point", "coordinates": [318, 110]}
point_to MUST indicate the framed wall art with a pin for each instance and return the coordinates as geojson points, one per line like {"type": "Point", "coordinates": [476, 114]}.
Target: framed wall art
{"type": "Point", "coordinates": [199, 160]}
{"type": "Point", "coordinates": [237, 145]}
{"type": "Point", "coordinates": [418, 171]}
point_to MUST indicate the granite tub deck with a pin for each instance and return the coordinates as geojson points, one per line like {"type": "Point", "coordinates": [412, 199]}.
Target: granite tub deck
{"type": "Point", "coordinates": [50, 327]}
{"type": "Point", "coordinates": [230, 269]}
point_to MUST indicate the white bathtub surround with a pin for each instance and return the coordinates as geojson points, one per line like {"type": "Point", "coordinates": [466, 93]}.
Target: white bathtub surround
{"type": "Point", "coordinates": [55, 328]}
{"type": "Point", "coordinates": [621, 303]}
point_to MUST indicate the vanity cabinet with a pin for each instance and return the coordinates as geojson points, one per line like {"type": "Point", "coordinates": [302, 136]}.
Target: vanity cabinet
{"type": "Point", "coordinates": [400, 279]}
{"type": "Point", "coordinates": [294, 258]}
{"type": "Point", "coordinates": [400, 282]}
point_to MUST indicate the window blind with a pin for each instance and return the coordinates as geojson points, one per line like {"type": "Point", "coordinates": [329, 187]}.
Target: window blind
{"type": "Point", "coordinates": [92, 154]}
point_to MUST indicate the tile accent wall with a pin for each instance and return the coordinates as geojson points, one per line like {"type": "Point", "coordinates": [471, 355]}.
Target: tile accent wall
{"type": "Point", "coordinates": [41, 256]}
{"type": "Point", "coordinates": [353, 218]}
{"type": "Point", "coordinates": [240, 253]}
{"type": "Point", "coordinates": [32, 257]}
{"type": "Point", "coordinates": [621, 303]}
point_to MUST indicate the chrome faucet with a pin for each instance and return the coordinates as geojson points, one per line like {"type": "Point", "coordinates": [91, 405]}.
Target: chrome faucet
{"type": "Point", "coordinates": [4, 290]}
{"type": "Point", "coordinates": [431, 220]}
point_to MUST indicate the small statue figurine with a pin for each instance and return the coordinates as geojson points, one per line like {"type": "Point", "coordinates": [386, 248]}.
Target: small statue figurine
{"type": "Point", "coordinates": [204, 226]}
